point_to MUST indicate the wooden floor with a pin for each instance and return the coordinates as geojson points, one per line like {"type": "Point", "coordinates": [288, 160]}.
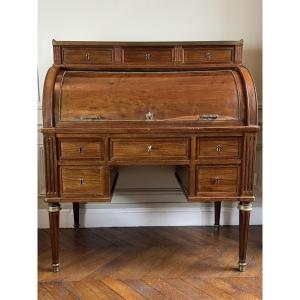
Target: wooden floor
{"type": "Point", "coordinates": [151, 263]}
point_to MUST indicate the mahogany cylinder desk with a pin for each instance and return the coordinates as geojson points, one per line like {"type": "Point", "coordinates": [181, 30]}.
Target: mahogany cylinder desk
{"type": "Point", "coordinates": [188, 104]}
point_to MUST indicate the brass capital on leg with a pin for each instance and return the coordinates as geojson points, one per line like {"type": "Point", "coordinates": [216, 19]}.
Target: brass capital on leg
{"type": "Point", "coordinates": [245, 206]}
{"type": "Point", "coordinates": [54, 208]}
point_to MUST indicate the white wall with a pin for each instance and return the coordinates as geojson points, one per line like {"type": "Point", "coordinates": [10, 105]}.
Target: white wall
{"type": "Point", "coordinates": [155, 20]}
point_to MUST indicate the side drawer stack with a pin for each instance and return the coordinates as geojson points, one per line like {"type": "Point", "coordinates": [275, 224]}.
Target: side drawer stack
{"type": "Point", "coordinates": [82, 173]}
{"type": "Point", "coordinates": [218, 170]}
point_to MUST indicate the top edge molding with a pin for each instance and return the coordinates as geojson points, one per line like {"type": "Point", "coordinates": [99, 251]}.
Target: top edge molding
{"type": "Point", "coordinates": [147, 43]}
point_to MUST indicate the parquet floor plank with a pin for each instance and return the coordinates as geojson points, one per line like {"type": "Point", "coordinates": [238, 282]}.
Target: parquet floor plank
{"type": "Point", "coordinates": [169, 291]}
{"type": "Point", "coordinates": [144, 289]}
{"type": "Point", "coordinates": [122, 289]}
{"type": "Point", "coordinates": [188, 289]}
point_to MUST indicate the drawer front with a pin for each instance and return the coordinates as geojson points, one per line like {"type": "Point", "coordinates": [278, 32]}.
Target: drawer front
{"type": "Point", "coordinates": [87, 56]}
{"type": "Point", "coordinates": [218, 179]}
{"type": "Point", "coordinates": [206, 55]}
{"type": "Point", "coordinates": [82, 181]}
{"type": "Point", "coordinates": [219, 148]}
{"type": "Point", "coordinates": [149, 149]}
{"type": "Point", "coordinates": [81, 150]}
{"type": "Point", "coordinates": [141, 55]}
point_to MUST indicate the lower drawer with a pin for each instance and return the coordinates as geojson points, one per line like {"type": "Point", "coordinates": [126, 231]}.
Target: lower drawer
{"type": "Point", "coordinates": [149, 149]}
{"type": "Point", "coordinates": [217, 179]}
{"type": "Point", "coordinates": [82, 181]}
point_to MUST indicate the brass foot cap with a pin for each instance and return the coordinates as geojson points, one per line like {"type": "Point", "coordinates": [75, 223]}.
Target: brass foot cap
{"type": "Point", "coordinates": [217, 227]}
{"type": "Point", "coordinates": [242, 267]}
{"type": "Point", "coordinates": [55, 268]}
{"type": "Point", "coordinates": [76, 227]}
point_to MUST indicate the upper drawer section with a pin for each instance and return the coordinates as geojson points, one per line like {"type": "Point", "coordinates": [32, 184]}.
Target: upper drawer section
{"type": "Point", "coordinates": [198, 55]}
{"type": "Point", "coordinates": [149, 55]}
{"type": "Point", "coordinates": [87, 56]}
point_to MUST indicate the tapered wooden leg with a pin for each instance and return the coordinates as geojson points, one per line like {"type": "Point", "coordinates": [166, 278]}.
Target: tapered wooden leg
{"type": "Point", "coordinates": [217, 214]}
{"type": "Point", "coordinates": [54, 234]}
{"type": "Point", "coordinates": [76, 215]}
{"type": "Point", "coordinates": [244, 216]}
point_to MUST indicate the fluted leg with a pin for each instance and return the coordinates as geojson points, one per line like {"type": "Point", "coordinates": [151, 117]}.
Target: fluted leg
{"type": "Point", "coordinates": [76, 215]}
{"type": "Point", "coordinates": [244, 216]}
{"type": "Point", "coordinates": [217, 214]}
{"type": "Point", "coordinates": [54, 234]}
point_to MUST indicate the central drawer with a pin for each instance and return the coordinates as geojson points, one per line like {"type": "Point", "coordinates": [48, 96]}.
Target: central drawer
{"type": "Point", "coordinates": [82, 181]}
{"type": "Point", "coordinates": [149, 149]}
{"type": "Point", "coordinates": [149, 55]}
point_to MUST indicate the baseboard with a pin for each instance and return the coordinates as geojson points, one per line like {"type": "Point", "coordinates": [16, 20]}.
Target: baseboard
{"type": "Point", "coordinates": [149, 216]}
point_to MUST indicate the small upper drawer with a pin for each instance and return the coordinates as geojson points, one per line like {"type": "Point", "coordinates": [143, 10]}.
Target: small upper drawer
{"type": "Point", "coordinates": [218, 179]}
{"type": "Point", "coordinates": [218, 148]}
{"type": "Point", "coordinates": [82, 181]}
{"type": "Point", "coordinates": [87, 56]}
{"type": "Point", "coordinates": [142, 55]}
{"type": "Point", "coordinates": [194, 55]}
{"type": "Point", "coordinates": [81, 149]}
{"type": "Point", "coordinates": [149, 149]}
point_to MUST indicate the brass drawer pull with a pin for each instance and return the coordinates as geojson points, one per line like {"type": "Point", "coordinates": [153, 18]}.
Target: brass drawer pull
{"type": "Point", "coordinates": [208, 56]}
{"type": "Point", "coordinates": [208, 117]}
{"type": "Point", "coordinates": [81, 181]}
{"type": "Point", "coordinates": [218, 148]}
{"type": "Point", "coordinates": [80, 150]}
{"type": "Point", "coordinates": [87, 56]}
{"type": "Point", "coordinates": [149, 148]}
{"type": "Point", "coordinates": [90, 118]}
{"type": "Point", "coordinates": [147, 56]}
{"type": "Point", "coordinates": [217, 180]}
{"type": "Point", "coordinates": [149, 116]}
